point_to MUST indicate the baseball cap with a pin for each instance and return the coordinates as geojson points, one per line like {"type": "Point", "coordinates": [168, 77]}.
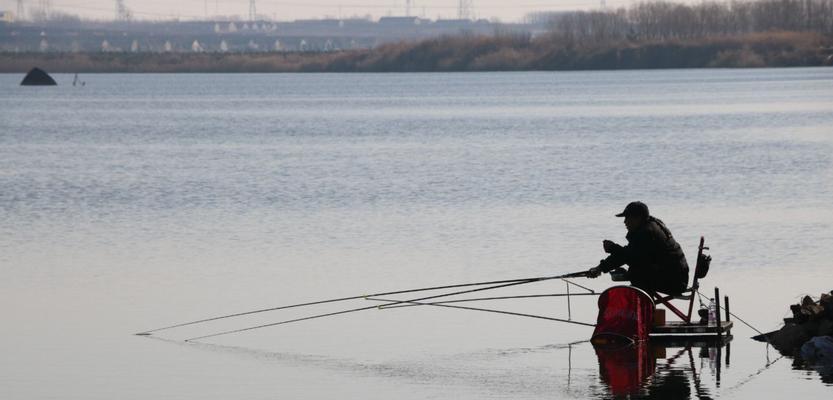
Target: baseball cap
{"type": "Point", "coordinates": [636, 208]}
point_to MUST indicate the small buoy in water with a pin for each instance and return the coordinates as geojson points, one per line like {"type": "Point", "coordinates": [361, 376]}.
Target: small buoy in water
{"type": "Point", "coordinates": [38, 77]}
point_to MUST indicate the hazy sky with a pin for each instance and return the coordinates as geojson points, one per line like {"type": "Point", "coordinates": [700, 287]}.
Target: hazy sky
{"type": "Point", "coordinates": [293, 9]}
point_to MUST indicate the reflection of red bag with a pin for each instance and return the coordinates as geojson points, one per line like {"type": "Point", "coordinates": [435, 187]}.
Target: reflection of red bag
{"type": "Point", "coordinates": [624, 369]}
{"type": "Point", "coordinates": [625, 314]}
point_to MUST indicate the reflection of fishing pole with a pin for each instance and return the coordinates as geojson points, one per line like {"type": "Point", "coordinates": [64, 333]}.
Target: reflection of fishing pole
{"type": "Point", "coordinates": [754, 374]}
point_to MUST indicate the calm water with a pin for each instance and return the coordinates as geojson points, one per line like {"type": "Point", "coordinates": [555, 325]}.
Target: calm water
{"type": "Point", "coordinates": [143, 200]}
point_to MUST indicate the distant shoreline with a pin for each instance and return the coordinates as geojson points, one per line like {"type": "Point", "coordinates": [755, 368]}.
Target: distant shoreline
{"type": "Point", "coordinates": [463, 53]}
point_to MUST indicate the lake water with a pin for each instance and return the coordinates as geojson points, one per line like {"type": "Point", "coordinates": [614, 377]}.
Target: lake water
{"type": "Point", "coordinates": [140, 201]}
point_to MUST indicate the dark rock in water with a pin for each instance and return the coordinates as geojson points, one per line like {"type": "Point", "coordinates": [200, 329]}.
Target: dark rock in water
{"type": "Point", "coordinates": [38, 77]}
{"type": "Point", "coordinates": [807, 336]}
{"type": "Point", "coordinates": [790, 337]}
{"type": "Point", "coordinates": [818, 350]}
{"type": "Point", "coordinates": [810, 319]}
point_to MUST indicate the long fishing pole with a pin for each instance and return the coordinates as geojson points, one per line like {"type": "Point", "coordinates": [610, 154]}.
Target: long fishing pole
{"type": "Point", "coordinates": [510, 283]}
{"type": "Point", "coordinates": [570, 275]}
{"type": "Point", "coordinates": [525, 296]}
{"type": "Point", "coordinates": [345, 312]}
{"type": "Point", "coordinates": [312, 303]}
{"type": "Point", "coordinates": [441, 304]}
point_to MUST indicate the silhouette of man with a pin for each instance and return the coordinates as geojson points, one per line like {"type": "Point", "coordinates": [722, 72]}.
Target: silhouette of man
{"type": "Point", "coordinates": [656, 261]}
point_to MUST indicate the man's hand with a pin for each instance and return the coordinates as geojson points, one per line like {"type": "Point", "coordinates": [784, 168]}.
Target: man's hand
{"type": "Point", "coordinates": [594, 272]}
{"type": "Point", "coordinates": [609, 246]}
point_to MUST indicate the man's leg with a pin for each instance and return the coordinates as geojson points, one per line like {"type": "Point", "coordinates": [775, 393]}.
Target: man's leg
{"type": "Point", "coordinates": [640, 277]}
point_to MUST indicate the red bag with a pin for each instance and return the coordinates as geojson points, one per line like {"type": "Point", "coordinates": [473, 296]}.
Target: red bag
{"type": "Point", "coordinates": [625, 315]}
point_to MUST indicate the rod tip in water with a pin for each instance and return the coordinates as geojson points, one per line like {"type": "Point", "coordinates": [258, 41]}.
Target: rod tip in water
{"type": "Point", "coordinates": [143, 334]}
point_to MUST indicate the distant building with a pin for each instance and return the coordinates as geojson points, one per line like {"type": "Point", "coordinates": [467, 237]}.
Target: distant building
{"type": "Point", "coordinates": [453, 23]}
{"type": "Point", "coordinates": [401, 21]}
{"type": "Point", "coordinates": [7, 16]}
{"type": "Point", "coordinates": [318, 23]}
{"type": "Point", "coordinates": [178, 36]}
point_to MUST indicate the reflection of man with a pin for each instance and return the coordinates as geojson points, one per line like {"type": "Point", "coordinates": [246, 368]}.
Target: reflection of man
{"type": "Point", "coordinates": [656, 261]}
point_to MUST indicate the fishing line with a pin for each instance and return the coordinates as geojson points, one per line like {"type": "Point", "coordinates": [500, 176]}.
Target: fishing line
{"type": "Point", "coordinates": [738, 318]}
{"type": "Point", "coordinates": [527, 296]}
{"type": "Point", "coordinates": [485, 310]}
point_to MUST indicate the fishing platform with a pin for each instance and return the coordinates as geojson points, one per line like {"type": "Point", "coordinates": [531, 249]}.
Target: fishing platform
{"type": "Point", "coordinates": [627, 312]}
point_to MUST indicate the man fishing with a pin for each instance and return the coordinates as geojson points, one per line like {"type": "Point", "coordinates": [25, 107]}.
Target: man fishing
{"type": "Point", "coordinates": [656, 261]}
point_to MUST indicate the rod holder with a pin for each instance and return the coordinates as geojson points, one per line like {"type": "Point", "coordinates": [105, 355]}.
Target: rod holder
{"type": "Point", "coordinates": [717, 309]}
{"type": "Point", "coordinates": [726, 308]}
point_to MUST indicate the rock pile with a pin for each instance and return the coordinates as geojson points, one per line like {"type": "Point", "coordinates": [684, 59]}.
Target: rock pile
{"type": "Point", "coordinates": [811, 318]}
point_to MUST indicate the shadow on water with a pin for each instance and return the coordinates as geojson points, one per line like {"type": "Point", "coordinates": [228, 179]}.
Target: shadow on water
{"type": "Point", "coordinates": [804, 359]}
{"type": "Point", "coordinates": [646, 371]}
{"type": "Point", "coordinates": [661, 370]}
{"type": "Point", "coordinates": [825, 370]}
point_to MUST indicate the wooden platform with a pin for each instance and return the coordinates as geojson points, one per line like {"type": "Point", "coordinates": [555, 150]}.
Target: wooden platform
{"type": "Point", "coordinates": [682, 329]}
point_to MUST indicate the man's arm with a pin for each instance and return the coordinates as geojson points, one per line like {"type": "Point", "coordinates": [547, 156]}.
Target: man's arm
{"type": "Point", "coordinates": [616, 259]}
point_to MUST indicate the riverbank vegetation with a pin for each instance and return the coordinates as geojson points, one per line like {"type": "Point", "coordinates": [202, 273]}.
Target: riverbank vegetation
{"type": "Point", "coordinates": [764, 33]}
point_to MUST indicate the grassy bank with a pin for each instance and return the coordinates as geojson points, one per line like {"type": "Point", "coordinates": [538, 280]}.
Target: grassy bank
{"type": "Point", "coordinates": [467, 53]}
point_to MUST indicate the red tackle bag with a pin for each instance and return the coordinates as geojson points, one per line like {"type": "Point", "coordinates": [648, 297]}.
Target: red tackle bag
{"type": "Point", "coordinates": [625, 315]}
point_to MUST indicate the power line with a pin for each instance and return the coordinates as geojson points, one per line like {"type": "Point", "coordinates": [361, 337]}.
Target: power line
{"type": "Point", "coordinates": [20, 9]}
{"type": "Point", "coordinates": [464, 9]}
{"type": "Point", "coordinates": [45, 6]}
{"type": "Point", "coordinates": [122, 12]}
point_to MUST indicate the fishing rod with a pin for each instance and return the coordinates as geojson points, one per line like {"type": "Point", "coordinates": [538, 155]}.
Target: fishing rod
{"type": "Point", "coordinates": [441, 304]}
{"type": "Point", "coordinates": [352, 310]}
{"type": "Point", "coordinates": [525, 296]}
{"type": "Point", "coordinates": [340, 299]}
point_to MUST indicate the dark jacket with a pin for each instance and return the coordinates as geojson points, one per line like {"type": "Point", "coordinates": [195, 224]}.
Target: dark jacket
{"type": "Point", "coordinates": [656, 260]}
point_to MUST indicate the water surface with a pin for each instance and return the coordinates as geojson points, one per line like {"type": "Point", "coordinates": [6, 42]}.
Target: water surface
{"type": "Point", "coordinates": [139, 201]}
